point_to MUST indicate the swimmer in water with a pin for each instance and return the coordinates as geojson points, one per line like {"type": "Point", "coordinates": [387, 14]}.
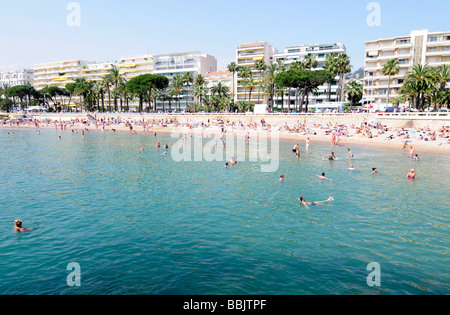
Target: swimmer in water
{"type": "Point", "coordinates": [158, 145]}
{"type": "Point", "coordinates": [351, 168]}
{"type": "Point", "coordinates": [18, 226]}
{"type": "Point", "coordinates": [374, 170]}
{"type": "Point", "coordinates": [226, 164]}
{"type": "Point", "coordinates": [411, 175]}
{"type": "Point", "coordinates": [306, 203]}
{"type": "Point", "coordinates": [330, 156]}
{"type": "Point", "coordinates": [350, 154]}
{"type": "Point", "coordinates": [323, 177]}
{"type": "Point", "coordinates": [281, 178]}
{"type": "Point", "coordinates": [308, 142]}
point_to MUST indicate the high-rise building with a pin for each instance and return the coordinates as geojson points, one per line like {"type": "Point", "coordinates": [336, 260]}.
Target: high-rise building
{"type": "Point", "coordinates": [324, 93]}
{"type": "Point", "coordinates": [419, 48]}
{"type": "Point", "coordinates": [179, 64]}
{"type": "Point", "coordinates": [248, 55]}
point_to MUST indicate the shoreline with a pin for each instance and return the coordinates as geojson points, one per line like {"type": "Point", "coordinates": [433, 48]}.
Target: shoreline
{"type": "Point", "coordinates": [376, 143]}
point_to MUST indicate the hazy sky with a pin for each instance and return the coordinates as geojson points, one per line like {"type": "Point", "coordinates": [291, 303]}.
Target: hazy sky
{"type": "Point", "coordinates": [37, 31]}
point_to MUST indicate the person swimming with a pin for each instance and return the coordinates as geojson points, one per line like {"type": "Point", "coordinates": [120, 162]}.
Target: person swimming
{"type": "Point", "coordinates": [306, 203]}
{"type": "Point", "coordinates": [322, 176]}
{"type": "Point", "coordinates": [374, 170]}
{"type": "Point", "coordinates": [330, 156]}
{"type": "Point", "coordinates": [18, 226]}
{"type": "Point", "coordinates": [411, 175]}
{"type": "Point", "coordinates": [281, 178]}
{"type": "Point", "coordinates": [351, 168]}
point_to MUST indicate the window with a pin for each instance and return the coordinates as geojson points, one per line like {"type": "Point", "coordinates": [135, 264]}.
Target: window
{"type": "Point", "coordinates": [447, 48]}
{"type": "Point", "coordinates": [433, 39]}
{"type": "Point", "coordinates": [400, 81]}
{"type": "Point", "coordinates": [402, 61]}
{"type": "Point", "coordinates": [403, 41]}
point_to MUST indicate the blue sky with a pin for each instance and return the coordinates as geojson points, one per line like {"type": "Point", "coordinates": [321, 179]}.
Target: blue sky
{"type": "Point", "coordinates": [36, 31]}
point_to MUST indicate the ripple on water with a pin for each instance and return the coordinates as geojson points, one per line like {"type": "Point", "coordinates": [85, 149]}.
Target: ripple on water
{"type": "Point", "coordinates": [141, 223]}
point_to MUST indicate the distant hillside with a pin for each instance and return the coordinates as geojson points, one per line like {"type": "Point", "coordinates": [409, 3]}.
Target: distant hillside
{"type": "Point", "coordinates": [358, 74]}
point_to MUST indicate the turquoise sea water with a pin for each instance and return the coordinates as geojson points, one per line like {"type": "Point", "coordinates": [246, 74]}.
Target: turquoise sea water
{"type": "Point", "coordinates": [141, 223]}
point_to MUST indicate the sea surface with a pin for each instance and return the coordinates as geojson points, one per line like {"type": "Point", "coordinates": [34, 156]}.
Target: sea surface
{"type": "Point", "coordinates": [140, 222]}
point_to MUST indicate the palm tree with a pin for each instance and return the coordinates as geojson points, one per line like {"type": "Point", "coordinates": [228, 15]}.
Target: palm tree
{"type": "Point", "coordinates": [187, 79]}
{"type": "Point", "coordinates": [421, 79]}
{"type": "Point", "coordinates": [331, 66]}
{"type": "Point", "coordinates": [343, 67]}
{"type": "Point", "coordinates": [220, 89]}
{"type": "Point", "coordinates": [260, 66]}
{"type": "Point", "coordinates": [390, 68]}
{"type": "Point", "coordinates": [244, 72]}
{"type": "Point", "coordinates": [177, 87]}
{"type": "Point", "coordinates": [310, 61]}
{"type": "Point", "coordinates": [115, 78]}
{"type": "Point", "coordinates": [443, 76]}
{"type": "Point", "coordinates": [354, 91]}
{"type": "Point", "coordinates": [200, 93]}
{"type": "Point", "coordinates": [250, 85]}
{"type": "Point", "coordinates": [233, 68]}
{"type": "Point", "coordinates": [107, 81]}
{"type": "Point", "coordinates": [269, 78]}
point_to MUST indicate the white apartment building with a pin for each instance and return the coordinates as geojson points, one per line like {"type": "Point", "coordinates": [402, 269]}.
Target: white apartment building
{"type": "Point", "coordinates": [248, 55]}
{"type": "Point", "coordinates": [17, 77]}
{"type": "Point", "coordinates": [298, 53]}
{"type": "Point", "coordinates": [62, 72]}
{"type": "Point", "coordinates": [58, 73]}
{"type": "Point", "coordinates": [193, 62]}
{"type": "Point", "coordinates": [419, 48]}
{"type": "Point", "coordinates": [214, 78]}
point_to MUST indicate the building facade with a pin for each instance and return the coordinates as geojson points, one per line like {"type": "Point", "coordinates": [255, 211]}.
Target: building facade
{"type": "Point", "coordinates": [178, 64]}
{"type": "Point", "coordinates": [64, 72]}
{"type": "Point", "coordinates": [17, 77]}
{"type": "Point", "coordinates": [58, 73]}
{"type": "Point", "coordinates": [248, 55]}
{"type": "Point", "coordinates": [419, 48]}
{"type": "Point", "coordinates": [324, 93]}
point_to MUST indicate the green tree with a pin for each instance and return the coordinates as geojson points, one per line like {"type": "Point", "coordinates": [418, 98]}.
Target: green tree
{"type": "Point", "coordinates": [115, 78]}
{"type": "Point", "coordinates": [420, 81]}
{"type": "Point", "coordinates": [390, 68]}
{"type": "Point", "coordinates": [342, 67]}
{"type": "Point", "coordinates": [310, 61]}
{"type": "Point", "coordinates": [177, 87]}
{"type": "Point", "coordinates": [260, 66]}
{"type": "Point", "coordinates": [354, 91]}
{"type": "Point", "coordinates": [331, 66]}
{"type": "Point", "coordinates": [188, 79]}
{"type": "Point", "coordinates": [233, 68]}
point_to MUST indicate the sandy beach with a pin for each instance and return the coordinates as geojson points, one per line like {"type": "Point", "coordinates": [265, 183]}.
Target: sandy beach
{"type": "Point", "coordinates": [424, 140]}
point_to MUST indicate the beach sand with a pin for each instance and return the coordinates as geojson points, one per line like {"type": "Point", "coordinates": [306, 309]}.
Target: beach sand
{"type": "Point", "coordinates": [378, 142]}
